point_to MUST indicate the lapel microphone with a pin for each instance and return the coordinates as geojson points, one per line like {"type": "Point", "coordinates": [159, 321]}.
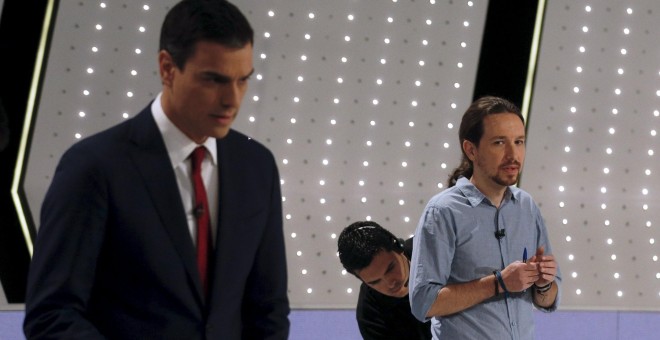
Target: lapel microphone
{"type": "Point", "coordinates": [198, 211]}
{"type": "Point", "coordinates": [500, 233]}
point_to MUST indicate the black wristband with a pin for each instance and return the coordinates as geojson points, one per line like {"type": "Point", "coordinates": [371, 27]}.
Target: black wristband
{"type": "Point", "coordinates": [497, 287]}
{"type": "Point", "coordinates": [543, 289]}
{"type": "Point", "coordinates": [498, 275]}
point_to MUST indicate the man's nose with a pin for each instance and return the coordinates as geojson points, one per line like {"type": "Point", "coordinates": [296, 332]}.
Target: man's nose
{"type": "Point", "coordinates": [231, 96]}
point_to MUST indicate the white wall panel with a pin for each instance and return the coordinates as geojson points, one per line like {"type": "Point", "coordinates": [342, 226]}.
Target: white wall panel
{"type": "Point", "coordinates": [360, 101]}
{"type": "Point", "coordinates": [592, 155]}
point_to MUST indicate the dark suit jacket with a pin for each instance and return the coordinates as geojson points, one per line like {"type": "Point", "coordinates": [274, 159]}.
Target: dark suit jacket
{"type": "Point", "coordinates": [114, 257]}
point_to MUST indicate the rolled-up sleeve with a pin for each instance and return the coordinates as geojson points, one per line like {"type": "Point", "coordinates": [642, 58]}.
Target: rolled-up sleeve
{"type": "Point", "coordinates": [433, 249]}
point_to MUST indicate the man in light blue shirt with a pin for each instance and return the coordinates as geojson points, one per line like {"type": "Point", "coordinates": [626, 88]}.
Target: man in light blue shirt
{"type": "Point", "coordinates": [470, 272]}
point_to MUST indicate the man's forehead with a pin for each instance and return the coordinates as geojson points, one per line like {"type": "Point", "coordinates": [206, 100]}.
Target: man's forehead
{"type": "Point", "coordinates": [503, 122]}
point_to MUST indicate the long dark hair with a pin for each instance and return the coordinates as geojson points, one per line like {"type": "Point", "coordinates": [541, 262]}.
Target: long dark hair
{"type": "Point", "coordinates": [472, 129]}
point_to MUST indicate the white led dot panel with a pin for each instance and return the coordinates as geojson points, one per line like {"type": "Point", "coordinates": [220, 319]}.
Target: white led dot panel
{"type": "Point", "coordinates": [360, 102]}
{"type": "Point", "coordinates": [592, 152]}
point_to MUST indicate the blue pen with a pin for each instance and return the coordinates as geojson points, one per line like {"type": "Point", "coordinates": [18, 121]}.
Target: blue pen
{"type": "Point", "coordinates": [525, 255]}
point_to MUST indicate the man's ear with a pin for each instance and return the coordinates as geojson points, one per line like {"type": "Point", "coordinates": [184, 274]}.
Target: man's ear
{"type": "Point", "coordinates": [470, 149]}
{"type": "Point", "coordinates": [166, 67]}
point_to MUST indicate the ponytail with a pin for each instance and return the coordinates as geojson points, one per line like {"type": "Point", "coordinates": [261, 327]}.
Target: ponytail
{"type": "Point", "coordinates": [464, 169]}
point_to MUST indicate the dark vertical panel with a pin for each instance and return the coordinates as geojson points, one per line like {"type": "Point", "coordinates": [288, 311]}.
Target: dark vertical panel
{"type": "Point", "coordinates": [505, 49]}
{"type": "Point", "coordinates": [20, 33]}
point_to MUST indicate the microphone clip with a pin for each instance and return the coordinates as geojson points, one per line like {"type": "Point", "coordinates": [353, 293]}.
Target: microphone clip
{"type": "Point", "coordinates": [198, 211]}
{"type": "Point", "coordinates": [500, 233]}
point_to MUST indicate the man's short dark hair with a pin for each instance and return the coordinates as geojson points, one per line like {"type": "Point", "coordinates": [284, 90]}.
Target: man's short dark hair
{"type": "Point", "coordinates": [361, 241]}
{"type": "Point", "coordinates": [192, 21]}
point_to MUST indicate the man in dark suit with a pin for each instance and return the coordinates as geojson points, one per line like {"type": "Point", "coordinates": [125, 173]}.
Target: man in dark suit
{"type": "Point", "coordinates": [121, 251]}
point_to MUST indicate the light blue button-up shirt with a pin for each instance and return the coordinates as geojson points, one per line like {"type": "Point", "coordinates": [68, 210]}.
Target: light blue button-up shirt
{"type": "Point", "coordinates": [455, 243]}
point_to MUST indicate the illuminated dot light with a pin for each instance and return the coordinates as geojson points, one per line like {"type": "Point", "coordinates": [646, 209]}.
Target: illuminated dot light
{"type": "Point", "coordinates": [579, 84]}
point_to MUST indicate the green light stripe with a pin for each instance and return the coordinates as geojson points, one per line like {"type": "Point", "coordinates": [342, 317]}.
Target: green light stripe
{"type": "Point", "coordinates": [34, 88]}
{"type": "Point", "coordinates": [533, 58]}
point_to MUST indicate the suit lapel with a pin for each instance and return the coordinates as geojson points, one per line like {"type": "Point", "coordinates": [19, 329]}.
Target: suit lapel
{"type": "Point", "coordinates": [228, 204]}
{"type": "Point", "coordinates": [150, 156]}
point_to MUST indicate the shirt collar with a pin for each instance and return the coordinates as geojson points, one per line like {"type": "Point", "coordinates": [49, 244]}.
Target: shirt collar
{"type": "Point", "coordinates": [475, 197]}
{"type": "Point", "coordinates": [178, 145]}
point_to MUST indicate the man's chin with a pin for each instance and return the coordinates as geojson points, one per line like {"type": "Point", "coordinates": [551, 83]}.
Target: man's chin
{"type": "Point", "coordinates": [220, 133]}
{"type": "Point", "coordinates": [507, 181]}
{"type": "Point", "coordinates": [400, 293]}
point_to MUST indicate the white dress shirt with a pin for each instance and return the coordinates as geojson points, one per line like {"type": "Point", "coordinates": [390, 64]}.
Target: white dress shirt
{"type": "Point", "coordinates": [179, 148]}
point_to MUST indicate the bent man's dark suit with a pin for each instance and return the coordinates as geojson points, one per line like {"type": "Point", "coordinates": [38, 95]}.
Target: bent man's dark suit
{"type": "Point", "coordinates": [114, 255]}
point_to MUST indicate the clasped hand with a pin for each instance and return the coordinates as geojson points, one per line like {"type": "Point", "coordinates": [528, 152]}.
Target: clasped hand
{"type": "Point", "coordinates": [540, 270]}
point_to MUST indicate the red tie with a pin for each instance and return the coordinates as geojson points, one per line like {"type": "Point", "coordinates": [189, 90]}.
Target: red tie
{"type": "Point", "coordinates": [201, 212]}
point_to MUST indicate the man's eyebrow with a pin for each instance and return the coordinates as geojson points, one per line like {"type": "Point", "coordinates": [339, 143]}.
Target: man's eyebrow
{"type": "Point", "coordinates": [249, 74]}
{"type": "Point", "coordinates": [224, 77]}
{"type": "Point", "coordinates": [389, 269]}
{"type": "Point", "coordinates": [373, 282]}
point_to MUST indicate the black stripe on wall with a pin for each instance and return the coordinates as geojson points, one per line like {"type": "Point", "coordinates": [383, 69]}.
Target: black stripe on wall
{"type": "Point", "coordinates": [505, 49]}
{"type": "Point", "coordinates": [20, 33]}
